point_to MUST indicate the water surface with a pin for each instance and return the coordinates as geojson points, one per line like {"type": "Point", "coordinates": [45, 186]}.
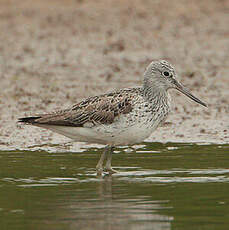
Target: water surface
{"type": "Point", "coordinates": [159, 187]}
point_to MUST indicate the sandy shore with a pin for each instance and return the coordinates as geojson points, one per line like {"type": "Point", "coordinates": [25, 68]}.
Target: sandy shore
{"type": "Point", "coordinates": [54, 53]}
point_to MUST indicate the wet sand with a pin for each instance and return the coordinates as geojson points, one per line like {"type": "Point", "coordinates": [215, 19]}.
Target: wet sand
{"type": "Point", "coordinates": [54, 53]}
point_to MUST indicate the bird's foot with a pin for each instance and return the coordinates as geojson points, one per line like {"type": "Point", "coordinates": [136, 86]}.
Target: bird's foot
{"type": "Point", "coordinates": [110, 170]}
{"type": "Point", "coordinates": [99, 171]}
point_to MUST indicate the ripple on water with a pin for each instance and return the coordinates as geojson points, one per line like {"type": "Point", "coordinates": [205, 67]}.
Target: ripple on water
{"type": "Point", "coordinates": [131, 174]}
{"type": "Point", "coordinates": [217, 175]}
{"type": "Point", "coordinates": [178, 179]}
{"type": "Point", "coordinates": [46, 182]}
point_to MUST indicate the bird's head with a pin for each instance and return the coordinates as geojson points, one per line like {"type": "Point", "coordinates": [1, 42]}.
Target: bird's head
{"type": "Point", "coordinates": [161, 75]}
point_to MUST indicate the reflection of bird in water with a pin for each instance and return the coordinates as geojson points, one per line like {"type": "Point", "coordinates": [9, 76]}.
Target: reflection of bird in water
{"type": "Point", "coordinates": [115, 205]}
{"type": "Point", "coordinates": [105, 188]}
{"type": "Point", "coordinates": [123, 117]}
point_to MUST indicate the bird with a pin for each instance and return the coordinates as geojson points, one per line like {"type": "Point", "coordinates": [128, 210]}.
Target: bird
{"type": "Point", "coordinates": [120, 117]}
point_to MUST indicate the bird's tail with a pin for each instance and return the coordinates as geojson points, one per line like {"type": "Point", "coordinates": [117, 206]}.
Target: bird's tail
{"type": "Point", "coordinates": [28, 120]}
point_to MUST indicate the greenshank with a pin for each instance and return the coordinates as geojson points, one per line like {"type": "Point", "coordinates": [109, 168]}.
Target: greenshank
{"type": "Point", "coordinates": [123, 117]}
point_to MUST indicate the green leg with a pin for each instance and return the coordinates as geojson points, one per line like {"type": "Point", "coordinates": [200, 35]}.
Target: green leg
{"type": "Point", "coordinates": [108, 163]}
{"type": "Point", "coordinates": [99, 166]}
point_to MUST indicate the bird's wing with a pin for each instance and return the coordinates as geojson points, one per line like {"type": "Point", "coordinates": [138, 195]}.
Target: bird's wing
{"type": "Point", "coordinates": [101, 109]}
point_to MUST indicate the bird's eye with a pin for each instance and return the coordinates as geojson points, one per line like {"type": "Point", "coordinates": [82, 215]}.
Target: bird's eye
{"type": "Point", "coordinates": [166, 73]}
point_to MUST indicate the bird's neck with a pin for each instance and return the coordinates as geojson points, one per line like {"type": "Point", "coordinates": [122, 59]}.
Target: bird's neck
{"type": "Point", "coordinates": [153, 92]}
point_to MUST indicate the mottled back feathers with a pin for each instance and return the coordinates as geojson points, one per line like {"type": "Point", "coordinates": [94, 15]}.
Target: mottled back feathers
{"type": "Point", "coordinates": [101, 109]}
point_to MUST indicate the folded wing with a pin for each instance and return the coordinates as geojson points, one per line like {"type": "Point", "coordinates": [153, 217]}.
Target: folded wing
{"type": "Point", "coordinates": [96, 110]}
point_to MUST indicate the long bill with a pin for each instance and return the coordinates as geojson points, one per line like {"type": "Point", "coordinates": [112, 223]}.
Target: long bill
{"type": "Point", "coordinates": [181, 88]}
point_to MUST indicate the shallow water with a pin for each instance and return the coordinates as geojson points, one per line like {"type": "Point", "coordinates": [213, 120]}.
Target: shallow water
{"type": "Point", "coordinates": [159, 187]}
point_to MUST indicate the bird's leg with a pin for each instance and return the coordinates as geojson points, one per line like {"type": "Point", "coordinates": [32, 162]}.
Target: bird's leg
{"type": "Point", "coordinates": [99, 166]}
{"type": "Point", "coordinates": [108, 163]}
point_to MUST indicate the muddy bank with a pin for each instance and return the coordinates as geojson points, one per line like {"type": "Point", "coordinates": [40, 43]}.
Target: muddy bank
{"type": "Point", "coordinates": [54, 54]}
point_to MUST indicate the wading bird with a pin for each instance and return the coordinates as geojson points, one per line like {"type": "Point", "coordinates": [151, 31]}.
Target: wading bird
{"type": "Point", "coordinates": [123, 117]}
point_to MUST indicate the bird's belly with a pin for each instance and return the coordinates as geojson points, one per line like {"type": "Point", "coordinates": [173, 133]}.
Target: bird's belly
{"type": "Point", "coordinates": [125, 131]}
{"type": "Point", "coordinates": [131, 135]}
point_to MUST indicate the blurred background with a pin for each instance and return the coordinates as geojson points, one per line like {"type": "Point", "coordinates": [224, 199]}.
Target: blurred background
{"type": "Point", "coordinates": [54, 53]}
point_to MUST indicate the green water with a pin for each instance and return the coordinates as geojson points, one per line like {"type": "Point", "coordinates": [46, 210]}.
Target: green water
{"type": "Point", "coordinates": [159, 187]}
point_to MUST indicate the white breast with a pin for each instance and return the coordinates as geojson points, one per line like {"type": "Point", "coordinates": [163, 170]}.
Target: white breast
{"type": "Point", "coordinates": [127, 129]}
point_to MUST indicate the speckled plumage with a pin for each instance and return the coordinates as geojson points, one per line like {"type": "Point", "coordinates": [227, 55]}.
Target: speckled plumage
{"type": "Point", "coordinates": [123, 117]}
